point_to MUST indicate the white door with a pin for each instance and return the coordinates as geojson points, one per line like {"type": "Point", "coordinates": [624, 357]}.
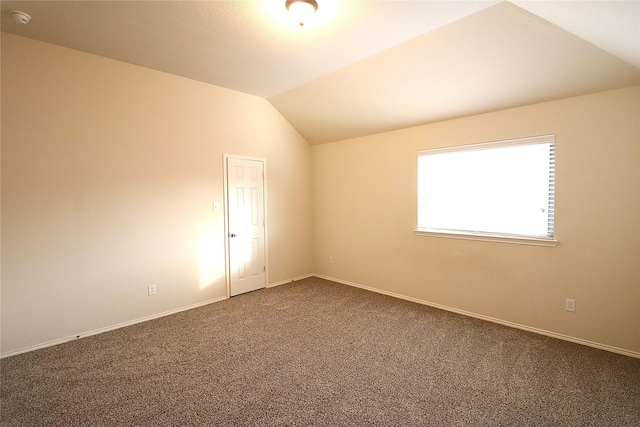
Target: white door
{"type": "Point", "coordinates": [246, 225]}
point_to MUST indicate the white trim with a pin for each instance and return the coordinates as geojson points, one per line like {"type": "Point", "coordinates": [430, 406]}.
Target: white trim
{"type": "Point", "coordinates": [538, 240]}
{"type": "Point", "coordinates": [488, 237]}
{"type": "Point", "coordinates": [110, 328]}
{"type": "Point", "coordinates": [225, 205]}
{"type": "Point", "coordinates": [284, 282]}
{"type": "Point", "coordinates": [225, 190]}
{"type": "Point", "coordinates": [587, 343]}
{"type": "Point", "coordinates": [266, 221]}
{"type": "Point", "coordinates": [529, 140]}
{"type": "Point", "coordinates": [135, 321]}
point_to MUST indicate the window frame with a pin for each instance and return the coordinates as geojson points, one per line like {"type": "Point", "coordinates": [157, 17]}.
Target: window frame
{"type": "Point", "coordinates": [488, 236]}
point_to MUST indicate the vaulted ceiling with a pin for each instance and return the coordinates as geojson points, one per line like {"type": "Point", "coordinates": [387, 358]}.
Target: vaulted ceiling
{"type": "Point", "coordinates": [362, 67]}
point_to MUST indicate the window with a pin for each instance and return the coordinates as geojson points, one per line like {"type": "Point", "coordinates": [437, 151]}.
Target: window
{"type": "Point", "coordinates": [498, 191]}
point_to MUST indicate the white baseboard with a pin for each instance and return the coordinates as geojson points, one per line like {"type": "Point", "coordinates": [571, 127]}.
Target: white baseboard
{"type": "Point", "coordinates": [133, 322]}
{"type": "Point", "coordinates": [306, 276]}
{"type": "Point", "coordinates": [344, 282]}
{"type": "Point", "coordinates": [599, 346]}
{"type": "Point", "coordinates": [109, 328]}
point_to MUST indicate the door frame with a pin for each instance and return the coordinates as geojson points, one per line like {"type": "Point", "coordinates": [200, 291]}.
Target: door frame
{"type": "Point", "coordinates": [225, 183]}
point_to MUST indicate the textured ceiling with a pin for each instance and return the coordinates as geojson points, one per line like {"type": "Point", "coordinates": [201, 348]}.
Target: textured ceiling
{"type": "Point", "coordinates": [362, 67]}
{"type": "Point", "coordinates": [498, 58]}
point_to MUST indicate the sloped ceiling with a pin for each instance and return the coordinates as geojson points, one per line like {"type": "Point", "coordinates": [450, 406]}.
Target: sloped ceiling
{"type": "Point", "coordinates": [362, 67]}
{"type": "Point", "coordinates": [497, 58]}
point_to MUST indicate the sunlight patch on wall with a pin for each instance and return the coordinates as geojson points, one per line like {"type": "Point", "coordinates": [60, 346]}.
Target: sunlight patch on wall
{"type": "Point", "coordinates": [210, 253]}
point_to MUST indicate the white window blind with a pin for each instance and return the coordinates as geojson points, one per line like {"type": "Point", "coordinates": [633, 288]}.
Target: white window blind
{"type": "Point", "coordinates": [504, 188]}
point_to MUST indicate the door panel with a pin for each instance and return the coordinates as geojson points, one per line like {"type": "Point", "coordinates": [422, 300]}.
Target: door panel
{"type": "Point", "coordinates": [245, 210]}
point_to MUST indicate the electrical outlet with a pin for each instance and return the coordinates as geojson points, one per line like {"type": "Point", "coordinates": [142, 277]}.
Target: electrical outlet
{"type": "Point", "coordinates": [570, 305]}
{"type": "Point", "coordinates": [152, 290]}
{"type": "Point", "coordinates": [330, 260]}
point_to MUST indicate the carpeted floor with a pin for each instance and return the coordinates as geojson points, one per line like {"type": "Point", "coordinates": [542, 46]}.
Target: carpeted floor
{"type": "Point", "coordinates": [319, 353]}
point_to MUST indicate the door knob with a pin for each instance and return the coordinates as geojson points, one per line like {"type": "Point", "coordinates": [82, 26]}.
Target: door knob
{"type": "Point", "coordinates": [232, 235]}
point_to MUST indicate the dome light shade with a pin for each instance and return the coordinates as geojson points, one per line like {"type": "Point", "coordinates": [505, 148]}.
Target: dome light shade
{"type": "Point", "coordinates": [301, 10]}
{"type": "Point", "coordinates": [20, 16]}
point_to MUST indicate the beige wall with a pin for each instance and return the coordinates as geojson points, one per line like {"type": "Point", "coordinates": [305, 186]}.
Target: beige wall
{"type": "Point", "coordinates": [365, 214]}
{"type": "Point", "coordinates": [109, 172]}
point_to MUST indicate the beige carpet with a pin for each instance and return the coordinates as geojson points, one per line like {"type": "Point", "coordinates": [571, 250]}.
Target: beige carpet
{"type": "Point", "coordinates": [319, 353]}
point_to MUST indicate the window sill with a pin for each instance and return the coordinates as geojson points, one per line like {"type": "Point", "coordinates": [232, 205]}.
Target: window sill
{"type": "Point", "coordinates": [488, 237]}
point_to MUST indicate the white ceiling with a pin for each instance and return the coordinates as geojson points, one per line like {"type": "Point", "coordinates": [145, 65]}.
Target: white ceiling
{"type": "Point", "coordinates": [362, 67]}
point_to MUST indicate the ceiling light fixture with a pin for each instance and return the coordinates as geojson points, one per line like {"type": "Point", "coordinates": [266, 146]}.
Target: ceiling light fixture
{"type": "Point", "coordinates": [20, 17]}
{"type": "Point", "coordinates": [301, 10]}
